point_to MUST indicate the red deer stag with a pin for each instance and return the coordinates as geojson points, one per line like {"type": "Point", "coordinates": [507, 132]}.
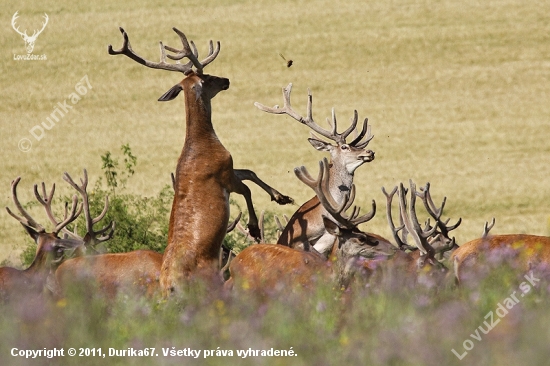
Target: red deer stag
{"type": "Point", "coordinates": [305, 228]}
{"type": "Point", "coordinates": [267, 267]}
{"type": "Point", "coordinates": [417, 260]}
{"type": "Point", "coordinates": [526, 251]}
{"type": "Point", "coordinates": [135, 272]}
{"type": "Point", "coordinates": [49, 251]}
{"type": "Point", "coordinates": [204, 175]}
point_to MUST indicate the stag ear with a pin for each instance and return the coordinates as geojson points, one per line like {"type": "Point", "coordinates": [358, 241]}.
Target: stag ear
{"type": "Point", "coordinates": [319, 144]}
{"type": "Point", "coordinates": [32, 232]}
{"type": "Point", "coordinates": [171, 94]}
{"type": "Point", "coordinates": [331, 227]}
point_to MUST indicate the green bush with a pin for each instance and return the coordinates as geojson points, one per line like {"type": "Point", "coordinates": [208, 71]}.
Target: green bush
{"type": "Point", "coordinates": [141, 222]}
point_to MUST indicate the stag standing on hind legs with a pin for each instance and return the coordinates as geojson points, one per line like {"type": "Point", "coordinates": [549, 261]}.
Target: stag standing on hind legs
{"type": "Point", "coordinates": [306, 227]}
{"type": "Point", "coordinates": [204, 175]}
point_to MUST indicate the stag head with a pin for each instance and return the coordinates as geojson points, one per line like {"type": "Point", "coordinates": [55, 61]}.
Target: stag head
{"type": "Point", "coordinates": [29, 40]}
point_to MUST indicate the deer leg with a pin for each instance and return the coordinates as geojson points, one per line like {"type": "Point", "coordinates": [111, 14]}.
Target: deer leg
{"type": "Point", "coordinates": [241, 188]}
{"type": "Point", "coordinates": [245, 174]}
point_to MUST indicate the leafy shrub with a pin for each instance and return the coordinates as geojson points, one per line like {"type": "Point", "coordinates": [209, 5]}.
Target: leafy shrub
{"type": "Point", "coordinates": [141, 222]}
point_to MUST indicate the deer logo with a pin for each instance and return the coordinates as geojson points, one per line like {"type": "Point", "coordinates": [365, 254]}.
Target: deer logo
{"type": "Point", "coordinates": [29, 40]}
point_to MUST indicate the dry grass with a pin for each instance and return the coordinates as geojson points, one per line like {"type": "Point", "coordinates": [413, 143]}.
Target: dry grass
{"type": "Point", "coordinates": [457, 94]}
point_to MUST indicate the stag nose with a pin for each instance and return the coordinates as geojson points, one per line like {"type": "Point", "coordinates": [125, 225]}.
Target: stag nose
{"type": "Point", "coordinates": [226, 84]}
{"type": "Point", "coordinates": [367, 155]}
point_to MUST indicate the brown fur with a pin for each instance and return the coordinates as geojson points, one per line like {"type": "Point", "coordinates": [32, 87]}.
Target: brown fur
{"type": "Point", "coordinates": [32, 281]}
{"type": "Point", "coordinates": [532, 250]}
{"type": "Point", "coordinates": [204, 178]}
{"type": "Point", "coordinates": [134, 272]}
{"type": "Point", "coordinates": [266, 267]}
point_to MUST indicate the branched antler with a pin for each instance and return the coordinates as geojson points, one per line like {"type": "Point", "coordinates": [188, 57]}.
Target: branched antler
{"type": "Point", "coordinates": [92, 237]}
{"type": "Point", "coordinates": [321, 188]}
{"type": "Point", "coordinates": [186, 51]}
{"type": "Point", "coordinates": [308, 121]}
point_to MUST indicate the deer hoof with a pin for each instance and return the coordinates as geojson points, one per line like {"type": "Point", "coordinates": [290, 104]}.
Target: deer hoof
{"type": "Point", "coordinates": [281, 199]}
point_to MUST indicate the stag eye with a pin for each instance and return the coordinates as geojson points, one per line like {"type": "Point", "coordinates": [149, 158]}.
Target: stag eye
{"type": "Point", "coordinates": [344, 147]}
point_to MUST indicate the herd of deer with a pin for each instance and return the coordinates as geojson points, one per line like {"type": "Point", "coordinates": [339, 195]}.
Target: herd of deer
{"type": "Point", "coordinates": [321, 241]}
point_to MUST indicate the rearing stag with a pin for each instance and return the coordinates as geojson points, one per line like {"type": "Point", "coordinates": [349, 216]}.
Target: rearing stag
{"type": "Point", "coordinates": [306, 227]}
{"type": "Point", "coordinates": [204, 175]}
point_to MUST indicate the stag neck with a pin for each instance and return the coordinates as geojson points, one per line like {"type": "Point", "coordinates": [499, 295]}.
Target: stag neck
{"type": "Point", "coordinates": [198, 116]}
{"type": "Point", "coordinates": [339, 181]}
{"type": "Point", "coordinates": [37, 271]}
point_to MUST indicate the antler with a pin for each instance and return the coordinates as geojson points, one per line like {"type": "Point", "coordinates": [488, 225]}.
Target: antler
{"type": "Point", "coordinates": [435, 212]}
{"type": "Point", "coordinates": [410, 221]}
{"type": "Point", "coordinates": [246, 232]}
{"type": "Point", "coordinates": [487, 227]}
{"type": "Point", "coordinates": [46, 201]}
{"type": "Point", "coordinates": [401, 242]}
{"type": "Point", "coordinates": [308, 121]}
{"type": "Point", "coordinates": [320, 186]}
{"type": "Point", "coordinates": [28, 221]}
{"type": "Point", "coordinates": [192, 55]}
{"type": "Point", "coordinates": [95, 237]}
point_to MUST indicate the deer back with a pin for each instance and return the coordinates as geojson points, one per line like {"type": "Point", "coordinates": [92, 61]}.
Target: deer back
{"type": "Point", "coordinates": [135, 272]}
{"type": "Point", "coordinates": [524, 251]}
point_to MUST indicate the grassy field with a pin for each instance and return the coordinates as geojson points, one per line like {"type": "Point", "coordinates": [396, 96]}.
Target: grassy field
{"type": "Point", "coordinates": [457, 94]}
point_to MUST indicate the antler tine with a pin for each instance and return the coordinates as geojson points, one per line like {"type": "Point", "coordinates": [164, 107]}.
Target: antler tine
{"type": "Point", "coordinates": [487, 227]}
{"type": "Point", "coordinates": [212, 53]}
{"type": "Point", "coordinates": [191, 52]}
{"type": "Point", "coordinates": [234, 223]}
{"type": "Point", "coordinates": [46, 201]}
{"type": "Point", "coordinates": [228, 263]}
{"type": "Point", "coordinates": [185, 51]}
{"type": "Point", "coordinates": [352, 126]}
{"type": "Point", "coordinates": [334, 124]}
{"type": "Point", "coordinates": [435, 212]}
{"type": "Point", "coordinates": [278, 223]}
{"type": "Point", "coordinates": [354, 217]}
{"type": "Point", "coordinates": [68, 218]}
{"type": "Point", "coordinates": [308, 121]}
{"type": "Point", "coordinates": [366, 217]}
{"type": "Point", "coordinates": [337, 211]}
{"type": "Point", "coordinates": [95, 237]}
{"type": "Point", "coordinates": [365, 130]}
{"type": "Point", "coordinates": [127, 50]}
{"type": "Point", "coordinates": [410, 221]}
{"type": "Point", "coordinates": [305, 177]}
{"type": "Point", "coordinates": [401, 243]}
{"type": "Point", "coordinates": [261, 227]}
{"type": "Point", "coordinates": [26, 220]}
{"type": "Point", "coordinates": [412, 211]}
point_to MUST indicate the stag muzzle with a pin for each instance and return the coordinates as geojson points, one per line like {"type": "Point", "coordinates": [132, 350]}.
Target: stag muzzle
{"type": "Point", "coordinates": [367, 156]}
